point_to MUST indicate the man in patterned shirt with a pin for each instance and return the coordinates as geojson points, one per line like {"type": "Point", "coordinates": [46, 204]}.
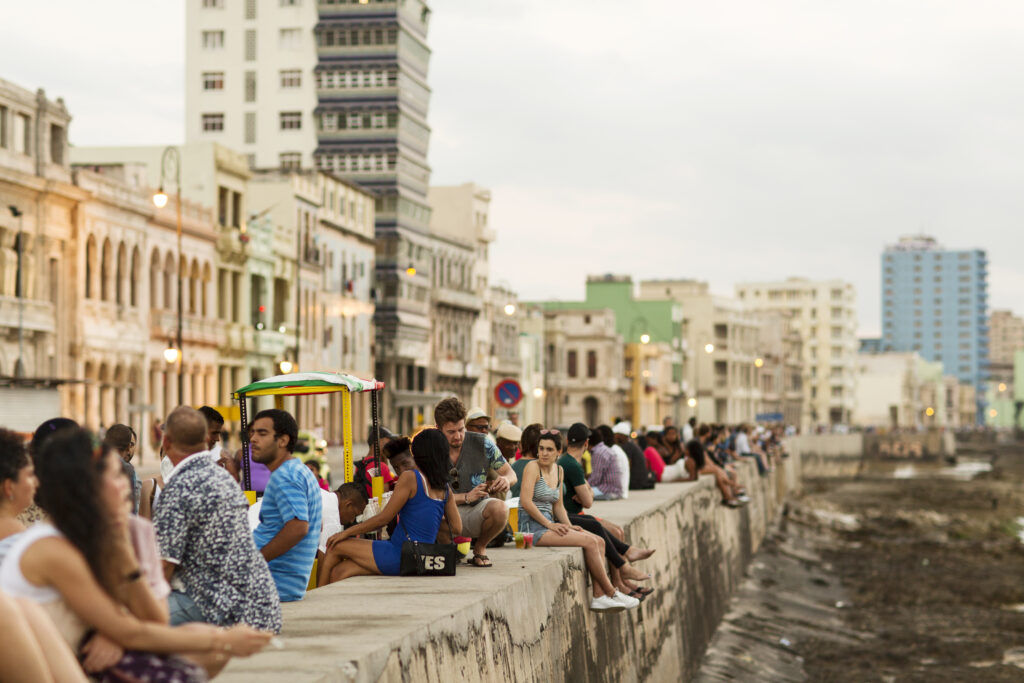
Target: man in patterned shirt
{"type": "Point", "coordinates": [292, 509]}
{"type": "Point", "coordinates": [202, 525]}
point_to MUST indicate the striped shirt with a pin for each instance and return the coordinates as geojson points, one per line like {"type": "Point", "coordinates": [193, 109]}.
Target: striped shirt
{"type": "Point", "coordinates": [291, 493]}
{"type": "Point", "coordinates": [606, 474]}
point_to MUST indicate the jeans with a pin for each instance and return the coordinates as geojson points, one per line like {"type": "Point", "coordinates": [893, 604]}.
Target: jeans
{"type": "Point", "coordinates": [183, 609]}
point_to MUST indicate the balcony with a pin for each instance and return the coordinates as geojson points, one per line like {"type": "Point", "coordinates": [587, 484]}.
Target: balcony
{"type": "Point", "coordinates": [194, 329]}
{"type": "Point", "coordinates": [446, 296]}
{"type": "Point", "coordinates": [38, 315]}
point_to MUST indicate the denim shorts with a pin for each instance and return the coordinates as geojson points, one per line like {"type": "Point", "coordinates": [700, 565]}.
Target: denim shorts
{"type": "Point", "coordinates": [183, 609]}
{"type": "Point", "coordinates": [528, 525]}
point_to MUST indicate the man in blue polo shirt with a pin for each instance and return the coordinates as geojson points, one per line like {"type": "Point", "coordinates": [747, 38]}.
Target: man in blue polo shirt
{"type": "Point", "coordinates": [291, 512]}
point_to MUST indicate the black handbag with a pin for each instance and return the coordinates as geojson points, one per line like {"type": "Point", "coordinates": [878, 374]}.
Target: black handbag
{"type": "Point", "coordinates": [428, 559]}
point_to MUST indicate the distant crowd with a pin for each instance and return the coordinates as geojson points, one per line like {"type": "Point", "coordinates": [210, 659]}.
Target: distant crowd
{"type": "Point", "coordinates": [111, 577]}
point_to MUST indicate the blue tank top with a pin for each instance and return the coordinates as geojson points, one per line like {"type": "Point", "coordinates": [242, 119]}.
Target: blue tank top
{"type": "Point", "coordinates": [420, 517]}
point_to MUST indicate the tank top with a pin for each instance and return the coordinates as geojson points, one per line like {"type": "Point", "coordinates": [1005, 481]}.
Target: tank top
{"type": "Point", "coordinates": [420, 517]}
{"type": "Point", "coordinates": [14, 583]}
{"type": "Point", "coordinates": [544, 497]}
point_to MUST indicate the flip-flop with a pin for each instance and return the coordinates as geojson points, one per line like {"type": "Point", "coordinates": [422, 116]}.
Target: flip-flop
{"type": "Point", "coordinates": [644, 591]}
{"type": "Point", "coordinates": [476, 559]}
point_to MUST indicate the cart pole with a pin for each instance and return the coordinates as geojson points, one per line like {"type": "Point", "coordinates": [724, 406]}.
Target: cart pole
{"type": "Point", "coordinates": [246, 470]}
{"type": "Point", "coordinates": [346, 416]}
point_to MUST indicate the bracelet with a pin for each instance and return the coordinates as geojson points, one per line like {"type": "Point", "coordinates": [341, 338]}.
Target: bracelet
{"type": "Point", "coordinates": [133, 576]}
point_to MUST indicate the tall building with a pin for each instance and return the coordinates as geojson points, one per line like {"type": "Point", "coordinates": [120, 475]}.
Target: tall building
{"type": "Point", "coordinates": [1006, 334]}
{"type": "Point", "coordinates": [935, 302]}
{"type": "Point", "coordinates": [825, 314]}
{"type": "Point", "coordinates": [340, 85]}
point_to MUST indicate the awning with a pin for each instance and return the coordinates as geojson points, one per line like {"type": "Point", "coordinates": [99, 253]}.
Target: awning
{"type": "Point", "coordinates": [297, 383]}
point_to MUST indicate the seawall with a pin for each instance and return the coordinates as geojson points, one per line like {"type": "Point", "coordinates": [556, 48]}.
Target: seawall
{"type": "Point", "coordinates": [527, 618]}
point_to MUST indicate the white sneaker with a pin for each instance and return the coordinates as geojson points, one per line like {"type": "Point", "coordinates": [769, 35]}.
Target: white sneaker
{"type": "Point", "coordinates": [625, 600]}
{"type": "Point", "coordinates": [606, 604]}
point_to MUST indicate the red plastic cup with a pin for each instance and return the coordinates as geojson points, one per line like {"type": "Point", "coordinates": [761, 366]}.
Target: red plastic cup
{"type": "Point", "coordinates": [528, 539]}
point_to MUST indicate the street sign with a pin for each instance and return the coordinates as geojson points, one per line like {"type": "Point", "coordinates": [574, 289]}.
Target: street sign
{"type": "Point", "coordinates": [508, 393]}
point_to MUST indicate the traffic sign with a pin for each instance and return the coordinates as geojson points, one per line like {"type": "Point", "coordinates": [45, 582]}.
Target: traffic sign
{"type": "Point", "coordinates": [508, 393]}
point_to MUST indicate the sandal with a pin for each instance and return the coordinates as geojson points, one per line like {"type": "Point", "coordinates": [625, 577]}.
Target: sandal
{"type": "Point", "coordinates": [644, 592]}
{"type": "Point", "coordinates": [479, 560]}
{"type": "Point", "coordinates": [638, 595]}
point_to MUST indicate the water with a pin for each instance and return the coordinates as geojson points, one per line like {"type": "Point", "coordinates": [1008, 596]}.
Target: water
{"type": "Point", "coordinates": [964, 470]}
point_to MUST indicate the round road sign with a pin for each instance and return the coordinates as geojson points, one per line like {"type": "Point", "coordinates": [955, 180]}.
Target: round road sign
{"type": "Point", "coordinates": [508, 393]}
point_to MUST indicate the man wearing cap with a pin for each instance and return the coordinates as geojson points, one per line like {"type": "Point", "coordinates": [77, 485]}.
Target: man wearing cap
{"type": "Point", "coordinates": [474, 460]}
{"type": "Point", "coordinates": [640, 476]}
{"type": "Point", "coordinates": [507, 438]}
{"type": "Point", "coordinates": [478, 421]}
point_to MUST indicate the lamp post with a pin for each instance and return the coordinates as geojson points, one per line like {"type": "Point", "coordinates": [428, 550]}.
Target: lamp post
{"type": "Point", "coordinates": [170, 169]}
{"type": "Point", "coordinates": [709, 348]}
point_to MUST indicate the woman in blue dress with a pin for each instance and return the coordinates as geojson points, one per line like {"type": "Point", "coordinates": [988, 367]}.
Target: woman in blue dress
{"type": "Point", "coordinates": [422, 497]}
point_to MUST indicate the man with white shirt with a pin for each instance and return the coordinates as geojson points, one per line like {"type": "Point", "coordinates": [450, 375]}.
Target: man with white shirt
{"type": "Point", "coordinates": [217, 574]}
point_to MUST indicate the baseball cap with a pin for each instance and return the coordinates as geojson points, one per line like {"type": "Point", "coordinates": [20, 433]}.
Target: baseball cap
{"type": "Point", "coordinates": [385, 433]}
{"type": "Point", "coordinates": [475, 414]}
{"type": "Point", "coordinates": [623, 427]}
{"type": "Point", "coordinates": [509, 432]}
{"type": "Point", "coordinates": [578, 433]}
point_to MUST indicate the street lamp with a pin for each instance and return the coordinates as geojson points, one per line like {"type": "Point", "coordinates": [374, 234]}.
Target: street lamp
{"type": "Point", "coordinates": [171, 354]}
{"type": "Point", "coordinates": [709, 348]}
{"type": "Point", "coordinates": [645, 339]}
{"type": "Point", "coordinates": [758, 362]}
{"type": "Point", "coordinates": [170, 169]}
{"type": "Point", "coordinates": [510, 309]}
{"type": "Point", "coordinates": [285, 366]}
{"type": "Point", "coordinates": [1002, 386]}
{"type": "Point", "coordinates": [692, 402]}
{"type": "Point", "coordinates": [929, 411]}
{"type": "Point", "coordinates": [538, 393]}
{"type": "Point", "coordinates": [411, 270]}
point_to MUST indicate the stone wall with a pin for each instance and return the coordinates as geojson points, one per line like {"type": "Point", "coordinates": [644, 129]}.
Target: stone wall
{"type": "Point", "coordinates": [527, 618]}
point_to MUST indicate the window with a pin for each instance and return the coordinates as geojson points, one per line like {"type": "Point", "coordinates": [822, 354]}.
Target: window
{"type": "Point", "coordinates": [289, 3]}
{"type": "Point", "coordinates": [250, 127]}
{"type": "Point", "coordinates": [291, 78]}
{"type": "Point", "coordinates": [290, 160]}
{"type": "Point", "coordinates": [291, 120]}
{"type": "Point", "coordinates": [213, 40]}
{"type": "Point", "coordinates": [4, 142]}
{"type": "Point", "coordinates": [250, 45]}
{"type": "Point", "coordinates": [213, 122]}
{"type": "Point", "coordinates": [22, 133]}
{"type": "Point", "coordinates": [213, 4]}
{"type": "Point", "coordinates": [250, 9]}
{"type": "Point", "coordinates": [591, 363]}
{"type": "Point", "coordinates": [250, 86]}
{"type": "Point", "coordinates": [570, 363]}
{"type": "Point", "coordinates": [290, 39]}
{"type": "Point", "coordinates": [56, 144]}
{"type": "Point", "coordinates": [213, 80]}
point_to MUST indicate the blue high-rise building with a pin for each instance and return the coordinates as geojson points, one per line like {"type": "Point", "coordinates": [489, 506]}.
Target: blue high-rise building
{"type": "Point", "coordinates": [935, 302]}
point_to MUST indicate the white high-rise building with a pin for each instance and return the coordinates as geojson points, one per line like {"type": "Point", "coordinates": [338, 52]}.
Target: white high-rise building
{"type": "Point", "coordinates": [825, 313]}
{"type": "Point", "coordinates": [249, 78]}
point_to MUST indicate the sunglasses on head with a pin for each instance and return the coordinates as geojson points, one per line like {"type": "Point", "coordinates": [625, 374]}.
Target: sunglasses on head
{"type": "Point", "coordinates": [549, 431]}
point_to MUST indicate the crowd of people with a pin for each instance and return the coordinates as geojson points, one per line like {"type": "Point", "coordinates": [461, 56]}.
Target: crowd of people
{"type": "Point", "coordinates": [167, 578]}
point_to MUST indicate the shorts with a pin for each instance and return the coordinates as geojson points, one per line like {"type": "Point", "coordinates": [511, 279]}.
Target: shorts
{"type": "Point", "coordinates": [183, 609]}
{"type": "Point", "coordinates": [528, 525]}
{"type": "Point", "coordinates": [472, 515]}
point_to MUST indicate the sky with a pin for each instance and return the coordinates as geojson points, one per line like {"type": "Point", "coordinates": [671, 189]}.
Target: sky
{"type": "Point", "coordinates": [731, 141]}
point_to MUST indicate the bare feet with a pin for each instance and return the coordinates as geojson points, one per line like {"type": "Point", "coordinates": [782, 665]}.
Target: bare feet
{"type": "Point", "coordinates": [633, 574]}
{"type": "Point", "coordinates": [635, 554]}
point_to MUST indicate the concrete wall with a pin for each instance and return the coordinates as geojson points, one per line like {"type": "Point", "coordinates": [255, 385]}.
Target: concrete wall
{"type": "Point", "coordinates": [526, 619]}
{"type": "Point", "coordinates": [828, 455]}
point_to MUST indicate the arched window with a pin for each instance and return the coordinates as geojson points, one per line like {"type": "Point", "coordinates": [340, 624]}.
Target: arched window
{"type": "Point", "coordinates": [205, 288]}
{"type": "Point", "coordinates": [133, 283]}
{"type": "Point", "coordinates": [90, 267]}
{"type": "Point", "coordinates": [154, 280]}
{"type": "Point", "coordinates": [194, 284]}
{"type": "Point", "coordinates": [106, 271]}
{"type": "Point", "coordinates": [120, 276]}
{"type": "Point", "coordinates": [170, 272]}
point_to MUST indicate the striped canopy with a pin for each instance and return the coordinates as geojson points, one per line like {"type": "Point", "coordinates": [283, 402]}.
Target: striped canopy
{"type": "Point", "coordinates": [297, 383]}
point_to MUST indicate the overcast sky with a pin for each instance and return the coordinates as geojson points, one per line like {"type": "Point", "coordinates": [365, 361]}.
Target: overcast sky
{"type": "Point", "coordinates": [723, 141]}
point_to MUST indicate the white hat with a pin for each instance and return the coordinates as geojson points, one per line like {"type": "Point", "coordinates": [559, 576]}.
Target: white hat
{"type": "Point", "coordinates": [623, 427]}
{"type": "Point", "coordinates": [509, 432]}
{"type": "Point", "coordinates": [476, 413]}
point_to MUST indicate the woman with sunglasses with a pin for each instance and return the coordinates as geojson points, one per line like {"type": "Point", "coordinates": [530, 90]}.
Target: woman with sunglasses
{"type": "Point", "coordinates": [542, 513]}
{"type": "Point", "coordinates": [421, 498]}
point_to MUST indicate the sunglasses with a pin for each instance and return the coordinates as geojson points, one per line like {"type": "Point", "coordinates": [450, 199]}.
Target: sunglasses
{"type": "Point", "coordinates": [454, 475]}
{"type": "Point", "coordinates": [549, 431]}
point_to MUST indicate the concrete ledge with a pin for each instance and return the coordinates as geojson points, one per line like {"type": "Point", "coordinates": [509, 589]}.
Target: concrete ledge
{"type": "Point", "coordinates": [526, 619]}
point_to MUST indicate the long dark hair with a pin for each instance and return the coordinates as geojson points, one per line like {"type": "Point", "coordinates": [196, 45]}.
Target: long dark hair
{"type": "Point", "coordinates": [695, 449]}
{"type": "Point", "coordinates": [430, 452]}
{"type": "Point", "coordinates": [70, 471]}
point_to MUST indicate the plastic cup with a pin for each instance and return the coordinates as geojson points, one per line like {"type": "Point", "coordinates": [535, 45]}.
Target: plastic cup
{"type": "Point", "coordinates": [528, 539]}
{"type": "Point", "coordinates": [520, 540]}
{"type": "Point", "coordinates": [513, 518]}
